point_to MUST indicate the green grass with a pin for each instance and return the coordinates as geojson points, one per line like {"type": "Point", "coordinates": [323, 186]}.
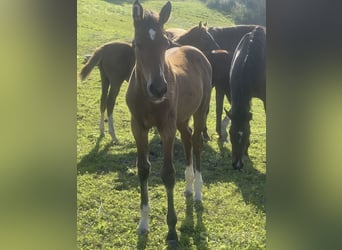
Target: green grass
{"type": "Point", "coordinates": [233, 212]}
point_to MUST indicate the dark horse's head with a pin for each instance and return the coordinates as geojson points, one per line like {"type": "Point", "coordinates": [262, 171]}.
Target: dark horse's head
{"type": "Point", "coordinates": [150, 43]}
{"type": "Point", "coordinates": [239, 134]}
{"type": "Point", "coordinates": [199, 37]}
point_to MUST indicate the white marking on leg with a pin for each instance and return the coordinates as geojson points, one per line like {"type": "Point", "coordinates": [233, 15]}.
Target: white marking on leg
{"type": "Point", "coordinates": [189, 179]}
{"type": "Point", "coordinates": [111, 128]}
{"type": "Point", "coordinates": [144, 219]}
{"type": "Point", "coordinates": [224, 125]}
{"type": "Point", "coordinates": [198, 186]}
{"type": "Point", "coordinates": [102, 124]}
{"type": "Point", "coordinates": [152, 34]}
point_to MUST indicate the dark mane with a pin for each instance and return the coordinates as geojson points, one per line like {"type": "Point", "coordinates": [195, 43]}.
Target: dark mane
{"type": "Point", "coordinates": [256, 49]}
{"type": "Point", "coordinates": [249, 63]}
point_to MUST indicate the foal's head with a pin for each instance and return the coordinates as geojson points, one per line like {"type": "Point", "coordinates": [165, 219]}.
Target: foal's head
{"type": "Point", "coordinates": [150, 44]}
{"type": "Point", "coordinates": [199, 37]}
{"type": "Point", "coordinates": [239, 134]}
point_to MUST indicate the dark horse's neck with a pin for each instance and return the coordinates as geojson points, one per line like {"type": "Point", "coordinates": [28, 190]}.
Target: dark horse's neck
{"type": "Point", "coordinates": [241, 108]}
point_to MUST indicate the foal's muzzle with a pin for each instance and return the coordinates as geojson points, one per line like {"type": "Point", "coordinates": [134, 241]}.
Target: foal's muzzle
{"type": "Point", "coordinates": [158, 89]}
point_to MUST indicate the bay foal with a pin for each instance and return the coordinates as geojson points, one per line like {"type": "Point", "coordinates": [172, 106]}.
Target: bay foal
{"type": "Point", "coordinates": [166, 88]}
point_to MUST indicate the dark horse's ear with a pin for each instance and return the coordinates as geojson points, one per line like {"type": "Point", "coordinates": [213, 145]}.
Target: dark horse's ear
{"type": "Point", "coordinates": [200, 25]}
{"type": "Point", "coordinates": [138, 11]}
{"type": "Point", "coordinates": [165, 13]}
{"type": "Point", "coordinates": [249, 116]}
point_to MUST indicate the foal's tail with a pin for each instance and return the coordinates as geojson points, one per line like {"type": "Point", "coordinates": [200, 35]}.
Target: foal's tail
{"type": "Point", "coordinates": [92, 62]}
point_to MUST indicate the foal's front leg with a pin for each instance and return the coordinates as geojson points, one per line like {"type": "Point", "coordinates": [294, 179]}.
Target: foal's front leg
{"type": "Point", "coordinates": [143, 164]}
{"type": "Point", "coordinates": [168, 174]}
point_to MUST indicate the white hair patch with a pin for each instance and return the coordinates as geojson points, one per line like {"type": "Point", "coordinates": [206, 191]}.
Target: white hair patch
{"type": "Point", "coordinates": [152, 34]}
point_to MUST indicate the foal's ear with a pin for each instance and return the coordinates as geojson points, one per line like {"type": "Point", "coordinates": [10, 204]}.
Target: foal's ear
{"type": "Point", "coordinates": [138, 11]}
{"type": "Point", "coordinates": [165, 13]}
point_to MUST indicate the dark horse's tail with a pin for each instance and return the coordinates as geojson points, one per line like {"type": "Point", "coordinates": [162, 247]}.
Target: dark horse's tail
{"type": "Point", "coordinates": [92, 62]}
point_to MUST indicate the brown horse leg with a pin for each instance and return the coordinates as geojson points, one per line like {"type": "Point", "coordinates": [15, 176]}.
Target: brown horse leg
{"type": "Point", "coordinates": [219, 107]}
{"type": "Point", "coordinates": [141, 139]}
{"type": "Point", "coordinates": [168, 175]}
{"type": "Point", "coordinates": [113, 93]}
{"type": "Point", "coordinates": [197, 140]}
{"type": "Point", "coordinates": [103, 99]}
{"type": "Point", "coordinates": [205, 130]}
{"type": "Point", "coordinates": [187, 143]}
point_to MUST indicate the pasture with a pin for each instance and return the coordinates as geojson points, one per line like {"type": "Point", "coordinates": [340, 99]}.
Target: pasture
{"type": "Point", "coordinates": [232, 215]}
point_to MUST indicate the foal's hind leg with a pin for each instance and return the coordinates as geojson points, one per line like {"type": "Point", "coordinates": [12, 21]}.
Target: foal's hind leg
{"type": "Point", "coordinates": [113, 93]}
{"type": "Point", "coordinates": [187, 143]}
{"type": "Point", "coordinates": [141, 139]}
{"type": "Point", "coordinates": [103, 99]}
{"type": "Point", "coordinates": [197, 140]}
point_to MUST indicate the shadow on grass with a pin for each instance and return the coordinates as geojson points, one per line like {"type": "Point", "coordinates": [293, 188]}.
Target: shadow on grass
{"type": "Point", "coordinates": [216, 167]}
{"type": "Point", "coordinates": [189, 230]}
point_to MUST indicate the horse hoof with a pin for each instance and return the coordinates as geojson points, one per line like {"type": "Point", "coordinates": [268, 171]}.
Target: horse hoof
{"type": "Point", "coordinates": [172, 238]}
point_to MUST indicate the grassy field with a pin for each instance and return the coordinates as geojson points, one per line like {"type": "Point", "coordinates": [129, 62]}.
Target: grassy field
{"type": "Point", "coordinates": [232, 215]}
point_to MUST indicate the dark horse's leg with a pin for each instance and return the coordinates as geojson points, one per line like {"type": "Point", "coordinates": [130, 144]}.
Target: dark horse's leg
{"type": "Point", "coordinates": [103, 100]}
{"type": "Point", "coordinates": [219, 107]}
{"type": "Point", "coordinates": [168, 175]}
{"type": "Point", "coordinates": [187, 143]}
{"type": "Point", "coordinates": [113, 93]}
{"type": "Point", "coordinates": [143, 164]}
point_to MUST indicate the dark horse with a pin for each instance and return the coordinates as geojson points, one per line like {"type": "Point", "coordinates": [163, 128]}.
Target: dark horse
{"type": "Point", "coordinates": [247, 80]}
{"type": "Point", "coordinates": [166, 88]}
{"type": "Point", "coordinates": [220, 62]}
{"type": "Point", "coordinates": [115, 61]}
{"type": "Point", "coordinates": [229, 37]}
